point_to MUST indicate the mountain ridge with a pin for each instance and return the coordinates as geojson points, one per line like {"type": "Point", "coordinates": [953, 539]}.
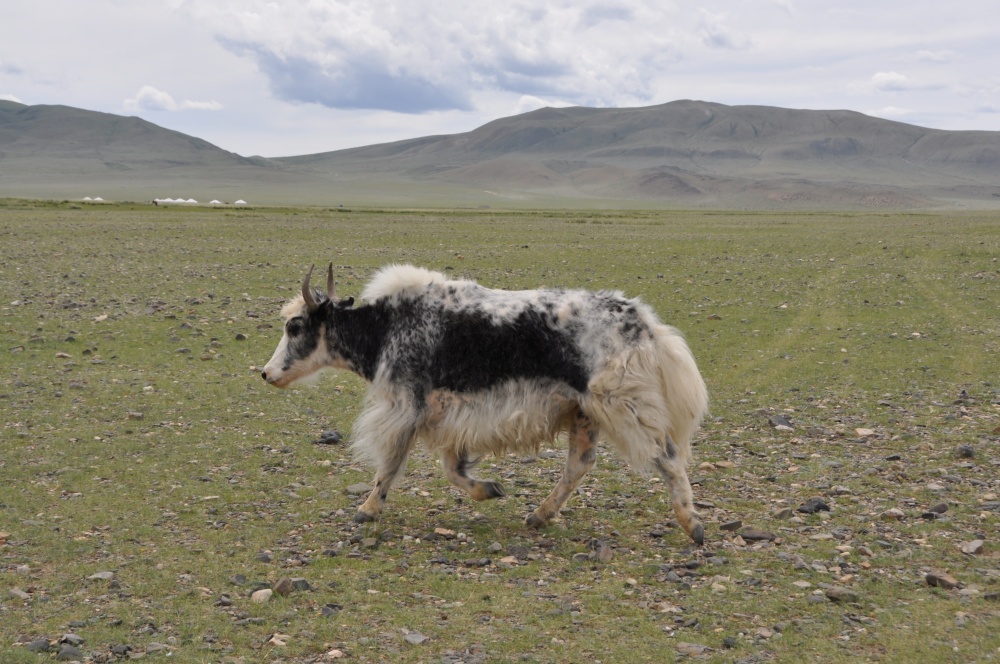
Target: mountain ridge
{"type": "Point", "coordinates": [683, 153]}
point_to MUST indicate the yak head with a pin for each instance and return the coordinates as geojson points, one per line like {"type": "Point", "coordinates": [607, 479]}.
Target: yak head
{"type": "Point", "coordinates": [303, 349]}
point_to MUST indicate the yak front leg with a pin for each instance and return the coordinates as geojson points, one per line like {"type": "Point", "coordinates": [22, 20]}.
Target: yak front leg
{"type": "Point", "coordinates": [580, 459]}
{"type": "Point", "coordinates": [455, 467]}
{"type": "Point", "coordinates": [672, 469]}
{"type": "Point", "coordinates": [389, 469]}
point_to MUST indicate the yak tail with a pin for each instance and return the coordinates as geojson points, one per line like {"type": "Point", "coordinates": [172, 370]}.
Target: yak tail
{"type": "Point", "coordinates": [650, 399]}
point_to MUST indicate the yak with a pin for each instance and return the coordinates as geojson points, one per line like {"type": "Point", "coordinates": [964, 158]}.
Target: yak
{"type": "Point", "coordinates": [470, 370]}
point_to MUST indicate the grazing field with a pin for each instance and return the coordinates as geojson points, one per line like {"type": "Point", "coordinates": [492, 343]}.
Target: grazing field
{"type": "Point", "coordinates": [151, 483]}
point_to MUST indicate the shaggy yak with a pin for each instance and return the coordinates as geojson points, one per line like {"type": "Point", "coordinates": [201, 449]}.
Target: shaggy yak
{"type": "Point", "coordinates": [470, 370]}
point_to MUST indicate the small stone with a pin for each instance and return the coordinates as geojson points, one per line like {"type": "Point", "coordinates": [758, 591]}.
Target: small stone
{"type": "Point", "coordinates": [283, 587]}
{"type": "Point", "coordinates": [781, 513]}
{"type": "Point", "coordinates": [72, 639]}
{"type": "Point", "coordinates": [604, 554]}
{"type": "Point", "coordinates": [812, 506]}
{"type": "Point", "coordinates": [751, 535]}
{"type": "Point", "coordinates": [101, 576]}
{"type": "Point", "coordinates": [262, 596]}
{"type": "Point", "coordinates": [691, 649]}
{"type": "Point", "coordinates": [780, 422]}
{"type": "Point", "coordinates": [764, 632]}
{"type": "Point", "coordinates": [939, 508]}
{"type": "Point", "coordinates": [965, 451]}
{"type": "Point", "coordinates": [369, 543]}
{"type": "Point", "coordinates": [358, 489]}
{"type": "Point", "coordinates": [893, 514]}
{"type": "Point", "coordinates": [973, 548]}
{"type": "Point", "coordinates": [68, 653]}
{"type": "Point", "coordinates": [300, 584]}
{"type": "Point", "coordinates": [332, 609]}
{"type": "Point", "coordinates": [941, 580]}
{"type": "Point", "coordinates": [329, 437]}
{"type": "Point", "coordinates": [264, 557]}
{"type": "Point", "coordinates": [934, 486]}
{"type": "Point", "coordinates": [39, 645]}
{"type": "Point", "coordinates": [864, 433]}
{"type": "Point", "coordinates": [415, 638]}
{"type": "Point", "coordinates": [841, 594]}
{"type": "Point", "coordinates": [156, 647]}
{"type": "Point", "coordinates": [496, 547]}
{"type": "Point", "coordinates": [19, 594]}
{"type": "Point", "coordinates": [731, 525]}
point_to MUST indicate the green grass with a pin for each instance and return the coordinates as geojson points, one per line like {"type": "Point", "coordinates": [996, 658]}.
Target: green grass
{"type": "Point", "coordinates": [138, 438]}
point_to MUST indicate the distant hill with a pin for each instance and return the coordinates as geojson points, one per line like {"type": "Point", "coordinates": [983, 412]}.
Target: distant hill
{"type": "Point", "coordinates": [679, 154]}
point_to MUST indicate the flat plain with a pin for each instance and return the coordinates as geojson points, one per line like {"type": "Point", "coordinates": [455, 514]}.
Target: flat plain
{"type": "Point", "coordinates": [150, 482]}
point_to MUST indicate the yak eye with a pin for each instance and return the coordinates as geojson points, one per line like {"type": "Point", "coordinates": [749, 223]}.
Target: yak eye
{"type": "Point", "coordinates": [294, 327]}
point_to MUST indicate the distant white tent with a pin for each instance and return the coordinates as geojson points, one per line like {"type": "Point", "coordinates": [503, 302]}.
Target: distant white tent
{"type": "Point", "coordinates": [190, 200]}
{"type": "Point", "coordinates": [215, 203]}
{"type": "Point", "coordinates": [240, 202]}
{"type": "Point", "coordinates": [98, 198]}
{"type": "Point", "coordinates": [87, 198]}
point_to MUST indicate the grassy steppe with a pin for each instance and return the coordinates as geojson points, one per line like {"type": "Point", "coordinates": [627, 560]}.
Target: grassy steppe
{"type": "Point", "coordinates": [139, 439]}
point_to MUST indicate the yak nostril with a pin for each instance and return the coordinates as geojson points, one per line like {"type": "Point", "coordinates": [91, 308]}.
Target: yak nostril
{"type": "Point", "coordinates": [263, 374]}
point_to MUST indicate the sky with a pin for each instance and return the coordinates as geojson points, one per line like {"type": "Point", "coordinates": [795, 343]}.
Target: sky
{"type": "Point", "coordinates": [290, 77]}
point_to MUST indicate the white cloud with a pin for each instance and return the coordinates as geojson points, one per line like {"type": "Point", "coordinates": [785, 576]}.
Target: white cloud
{"type": "Point", "coordinates": [941, 56]}
{"type": "Point", "coordinates": [11, 98]}
{"type": "Point", "coordinates": [890, 112]}
{"type": "Point", "coordinates": [715, 34]}
{"type": "Point", "coordinates": [891, 81]}
{"type": "Point", "coordinates": [150, 99]}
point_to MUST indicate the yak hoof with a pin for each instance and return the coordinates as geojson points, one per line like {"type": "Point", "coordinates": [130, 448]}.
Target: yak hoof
{"type": "Point", "coordinates": [535, 521]}
{"type": "Point", "coordinates": [698, 534]}
{"type": "Point", "coordinates": [363, 517]}
{"type": "Point", "coordinates": [494, 490]}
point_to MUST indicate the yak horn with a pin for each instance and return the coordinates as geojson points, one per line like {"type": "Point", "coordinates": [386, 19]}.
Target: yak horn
{"type": "Point", "coordinates": [307, 294]}
{"type": "Point", "coordinates": [331, 289]}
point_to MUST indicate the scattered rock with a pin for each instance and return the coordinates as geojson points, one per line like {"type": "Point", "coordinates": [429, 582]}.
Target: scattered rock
{"type": "Point", "coordinates": [39, 645]}
{"type": "Point", "coordinates": [332, 609]}
{"type": "Point", "coordinates": [965, 451]}
{"type": "Point", "coordinates": [731, 525]}
{"type": "Point", "coordinates": [72, 639]}
{"type": "Point", "coordinates": [939, 508]}
{"type": "Point", "coordinates": [19, 594]}
{"type": "Point", "coordinates": [841, 594]}
{"type": "Point", "coordinates": [781, 513]}
{"type": "Point", "coordinates": [893, 514]}
{"type": "Point", "coordinates": [974, 547]}
{"type": "Point", "coordinates": [69, 653]}
{"type": "Point", "coordinates": [329, 437]}
{"type": "Point", "coordinates": [415, 638]}
{"type": "Point", "coordinates": [812, 506]}
{"type": "Point", "coordinates": [358, 489]}
{"type": "Point", "coordinates": [101, 576]}
{"type": "Point", "coordinates": [692, 649]}
{"type": "Point", "coordinates": [864, 433]}
{"type": "Point", "coordinates": [262, 596]}
{"type": "Point", "coordinates": [752, 535]}
{"type": "Point", "coordinates": [283, 587]}
{"type": "Point", "coordinates": [780, 422]}
{"type": "Point", "coordinates": [941, 580]}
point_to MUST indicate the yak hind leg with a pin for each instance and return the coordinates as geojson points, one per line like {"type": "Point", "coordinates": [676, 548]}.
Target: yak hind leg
{"type": "Point", "coordinates": [389, 469]}
{"type": "Point", "coordinates": [673, 471]}
{"type": "Point", "coordinates": [456, 466]}
{"type": "Point", "coordinates": [580, 459]}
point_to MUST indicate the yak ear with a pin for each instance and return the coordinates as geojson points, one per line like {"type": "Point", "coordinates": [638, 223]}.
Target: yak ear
{"type": "Point", "coordinates": [346, 303]}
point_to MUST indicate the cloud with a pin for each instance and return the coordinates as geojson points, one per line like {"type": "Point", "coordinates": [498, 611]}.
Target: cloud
{"type": "Point", "coordinates": [404, 57]}
{"type": "Point", "coordinates": [890, 81]}
{"type": "Point", "coordinates": [150, 99]}
{"type": "Point", "coordinates": [891, 112]}
{"type": "Point", "coordinates": [942, 56]}
{"type": "Point", "coordinates": [11, 98]}
{"type": "Point", "coordinates": [7, 67]}
{"type": "Point", "coordinates": [714, 34]}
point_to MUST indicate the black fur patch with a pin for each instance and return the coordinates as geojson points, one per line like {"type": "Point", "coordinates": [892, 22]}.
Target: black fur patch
{"type": "Point", "coordinates": [473, 353]}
